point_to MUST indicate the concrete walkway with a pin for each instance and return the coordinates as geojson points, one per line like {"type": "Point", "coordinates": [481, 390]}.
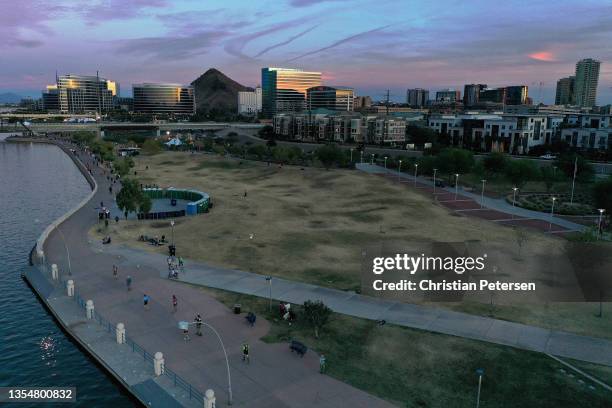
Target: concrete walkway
{"type": "Point", "coordinates": [274, 378]}
{"type": "Point", "coordinates": [488, 203]}
{"type": "Point", "coordinates": [562, 344]}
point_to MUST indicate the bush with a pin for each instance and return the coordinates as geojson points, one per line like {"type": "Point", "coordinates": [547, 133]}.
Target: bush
{"type": "Point", "coordinates": [521, 171]}
{"type": "Point", "coordinates": [151, 147]}
{"type": "Point", "coordinates": [495, 162]}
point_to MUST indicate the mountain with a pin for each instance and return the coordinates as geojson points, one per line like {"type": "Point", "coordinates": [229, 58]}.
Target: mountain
{"type": "Point", "coordinates": [10, 97]}
{"type": "Point", "coordinates": [216, 94]}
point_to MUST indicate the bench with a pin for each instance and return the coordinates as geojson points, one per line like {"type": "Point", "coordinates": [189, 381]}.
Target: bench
{"type": "Point", "coordinates": [298, 347]}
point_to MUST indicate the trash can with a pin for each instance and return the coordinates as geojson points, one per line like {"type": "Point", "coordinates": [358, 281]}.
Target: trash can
{"type": "Point", "coordinates": [237, 307]}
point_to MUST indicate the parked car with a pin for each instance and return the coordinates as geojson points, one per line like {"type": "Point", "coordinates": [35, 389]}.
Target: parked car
{"type": "Point", "coordinates": [548, 157]}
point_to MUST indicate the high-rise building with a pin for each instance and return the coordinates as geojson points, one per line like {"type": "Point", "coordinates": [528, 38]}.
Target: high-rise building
{"type": "Point", "coordinates": [517, 95]}
{"type": "Point", "coordinates": [284, 89]}
{"type": "Point", "coordinates": [417, 97]}
{"type": "Point", "coordinates": [173, 99]}
{"type": "Point", "coordinates": [326, 97]}
{"type": "Point", "coordinates": [83, 94]}
{"type": "Point", "coordinates": [362, 102]}
{"type": "Point", "coordinates": [50, 99]}
{"type": "Point", "coordinates": [249, 102]}
{"type": "Point", "coordinates": [587, 77]}
{"type": "Point", "coordinates": [448, 96]}
{"type": "Point", "coordinates": [471, 94]}
{"type": "Point", "coordinates": [565, 91]}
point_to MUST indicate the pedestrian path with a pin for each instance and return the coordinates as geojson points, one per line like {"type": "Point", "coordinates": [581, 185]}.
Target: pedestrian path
{"type": "Point", "coordinates": [460, 200]}
{"type": "Point", "coordinates": [562, 344]}
{"type": "Point", "coordinates": [275, 377]}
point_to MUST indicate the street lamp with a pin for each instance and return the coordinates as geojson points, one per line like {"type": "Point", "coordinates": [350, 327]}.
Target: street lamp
{"type": "Point", "coordinates": [515, 189]}
{"type": "Point", "coordinates": [482, 193]}
{"type": "Point", "coordinates": [399, 169]}
{"type": "Point", "coordinates": [172, 225]}
{"type": "Point", "coordinates": [269, 279]}
{"type": "Point", "coordinates": [456, 185]}
{"type": "Point", "coordinates": [416, 168]}
{"type": "Point", "coordinates": [352, 154]}
{"type": "Point", "coordinates": [385, 163]}
{"type": "Point", "coordinates": [552, 212]}
{"type": "Point", "coordinates": [362, 156]}
{"type": "Point", "coordinates": [599, 230]}
{"type": "Point", "coordinates": [372, 159]}
{"type": "Point", "coordinates": [479, 373]}
{"type": "Point", "coordinates": [435, 170]}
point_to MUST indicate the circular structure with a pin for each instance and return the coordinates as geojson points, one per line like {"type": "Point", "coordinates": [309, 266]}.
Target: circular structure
{"type": "Point", "coordinates": [183, 202]}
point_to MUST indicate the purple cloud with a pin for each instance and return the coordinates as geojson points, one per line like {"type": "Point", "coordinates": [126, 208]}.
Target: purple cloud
{"type": "Point", "coordinates": [287, 41]}
{"type": "Point", "coordinates": [106, 10]}
{"type": "Point", "coordinates": [173, 47]}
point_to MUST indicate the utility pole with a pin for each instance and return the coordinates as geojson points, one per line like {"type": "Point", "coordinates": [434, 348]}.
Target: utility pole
{"type": "Point", "coordinates": [387, 100]}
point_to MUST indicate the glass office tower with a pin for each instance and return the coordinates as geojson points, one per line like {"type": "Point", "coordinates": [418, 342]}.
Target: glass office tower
{"type": "Point", "coordinates": [336, 99]}
{"type": "Point", "coordinates": [284, 89]}
{"type": "Point", "coordinates": [85, 94]}
{"type": "Point", "coordinates": [172, 99]}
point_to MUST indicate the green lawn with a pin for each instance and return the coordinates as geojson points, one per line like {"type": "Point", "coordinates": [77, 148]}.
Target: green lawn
{"type": "Point", "coordinates": [413, 368]}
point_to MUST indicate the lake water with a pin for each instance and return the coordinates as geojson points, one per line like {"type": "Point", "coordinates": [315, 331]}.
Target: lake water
{"type": "Point", "coordinates": [38, 183]}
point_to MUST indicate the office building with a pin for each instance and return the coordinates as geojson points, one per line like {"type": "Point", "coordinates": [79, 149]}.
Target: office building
{"type": "Point", "coordinates": [565, 91]}
{"type": "Point", "coordinates": [587, 77]}
{"type": "Point", "coordinates": [85, 94]}
{"type": "Point", "coordinates": [284, 89]}
{"type": "Point", "coordinates": [50, 99]}
{"type": "Point", "coordinates": [362, 102]}
{"type": "Point", "coordinates": [249, 102]}
{"type": "Point", "coordinates": [326, 97]}
{"type": "Point", "coordinates": [508, 95]}
{"type": "Point", "coordinates": [173, 99]}
{"type": "Point", "coordinates": [417, 97]}
{"type": "Point", "coordinates": [448, 96]}
{"type": "Point", "coordinates": [471, 94]}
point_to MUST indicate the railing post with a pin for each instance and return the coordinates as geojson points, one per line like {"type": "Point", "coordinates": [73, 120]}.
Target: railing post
{"type": "Point", "coordinates": [54, 272]}
{"type": "Point", "coordinates": [89, 309]}
{"type": "Point", "coordinates": [70, 287]}
{"type": "Point", "coordinates": [120, 333]}
{"type": "Point", "coordinates": [158, 364]}
{"type": "Point", "coordinates": [210, 400]}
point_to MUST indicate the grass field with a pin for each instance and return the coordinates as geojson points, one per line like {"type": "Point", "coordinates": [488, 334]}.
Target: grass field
{"type": "Point", "coordinates": [413, 368]}
{"type": "Point", "coordinates": [312, 225]}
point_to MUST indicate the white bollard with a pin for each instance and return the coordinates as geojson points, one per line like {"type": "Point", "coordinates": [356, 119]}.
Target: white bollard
{"type": "Point", "coordinates": [210, 399]}
{"type": "Point", "coordinates": [89, 309]}
{"type": "Point", "coordinates": [158, 364]}
{"type": "Point", "coordinates": [120, 333]}
{"type": "Point", "coordinates": [54, 272]}
{"type": "Point", "coordinates": [70, 287]}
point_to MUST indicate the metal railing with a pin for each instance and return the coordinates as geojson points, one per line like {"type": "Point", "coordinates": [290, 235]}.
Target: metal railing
{"type": "Point", "coordinates": [176, 379]}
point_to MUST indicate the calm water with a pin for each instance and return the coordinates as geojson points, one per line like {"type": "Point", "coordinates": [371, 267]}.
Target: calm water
{"type": "Point", "coordinates": [38, 183]}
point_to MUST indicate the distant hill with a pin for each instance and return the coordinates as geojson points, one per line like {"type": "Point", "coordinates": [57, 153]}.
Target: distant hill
{"type": "Point", "coordinates": [217, 94]}
{"type": "Point", "coordinates": [9, 97]}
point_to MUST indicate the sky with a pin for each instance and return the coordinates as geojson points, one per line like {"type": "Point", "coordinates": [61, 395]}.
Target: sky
{"type": "Point", "coordinates": [370, 45]}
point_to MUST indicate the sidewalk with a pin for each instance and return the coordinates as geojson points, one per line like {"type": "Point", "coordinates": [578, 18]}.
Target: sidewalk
{"type": "Point", "coordinates": [274, 378]}
{"type": "Point", "coordinates": [478, 207]}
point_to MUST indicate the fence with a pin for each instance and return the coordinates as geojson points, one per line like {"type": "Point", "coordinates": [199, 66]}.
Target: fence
{"type": "Point", "coordinates": [109, 327]}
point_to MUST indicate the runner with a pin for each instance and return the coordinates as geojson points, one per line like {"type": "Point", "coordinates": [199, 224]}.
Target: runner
{"type": "Point", "coordinates": [145, 300]}
{"type": "Point", "coordinates": [198, 322]}
{"type": "Point", "coordinates": [115, 271]}
{"type": "Point", "coordinates": [245, 353]}
{"type": "Point", "coordinates": [128, 282]}
{"type": "Point", "coordinates": [174, 303]}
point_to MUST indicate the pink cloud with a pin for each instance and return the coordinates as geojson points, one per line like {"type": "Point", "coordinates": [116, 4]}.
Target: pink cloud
{"type": "Point", "coordinates": [546, 56]}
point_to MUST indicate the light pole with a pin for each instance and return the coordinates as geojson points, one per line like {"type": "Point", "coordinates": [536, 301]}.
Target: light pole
{"type": "Point", "coordinates": [552, 212]}
{"type": "Point", "coordinates": [372, 159]}
{"type": "Point", "coordinates": [435, 170]}
{"type": "Point", "coordinates": [172, 225]}
{"type": "Point", "coordinates": [362, 156]}
{"type": "Point", "coordinates": [599, 230]}
{"type": "Point", "coordinates": [416, 168]}
{"type": "Point", "coordinates": [456, 185]}
{"type": "Point", "coordinates": [269, 279]}
{"type": "Point", "coordinates": [515, 189]}
{"type": "Point", "coordinates": [67, 252]}
{"type": "Point", "coordinates": [399, 169]}
{"type": "Point", "coordinates": [385, 163]}
{"type": "Point", "coordinates": [480, 373]}
{"type": "Point", "coordinates": [352, 154]}
{"type": "Point", "coordinates": [482, 193]}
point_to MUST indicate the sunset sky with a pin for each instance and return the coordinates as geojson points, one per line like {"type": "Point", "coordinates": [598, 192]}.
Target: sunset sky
{"type": "Point", "coordinates": [369, 45]}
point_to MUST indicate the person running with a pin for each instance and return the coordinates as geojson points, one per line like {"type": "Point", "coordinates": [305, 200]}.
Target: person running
{"type": "Point", "coordinates": [322, 364]}
{"type": "Point", "coordinates": [174, 303]}
{"type": "Point", "coordinates": [245, 353]}
{"type": "Point", "coordinates": [198, 322]}
{"type": "Point", "coordinates": [115, 271]}
{"type": "Point", "coordinates": [145, 300]}
{"type": "Point", "coordinates": [128, 282]}
{"type": "Point", "coordinates": [186, 333]}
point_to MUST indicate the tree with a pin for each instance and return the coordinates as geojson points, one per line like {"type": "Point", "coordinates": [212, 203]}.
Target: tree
{"type": "Point", "coordinates": [151, 147]}
{"type": "Point", "coordinates": [567, 162]}
{"type": "Point", "coordinates": [329, 155]}
{"type": "Point", "coordinates": [132, 198]}
{"type": "Point", "coordinates": [521, 171]}
{"type": "Point", "coordinates": [317, 315]}
{"type": "Point", "coordinates": [452, 161]}
{"type": "Point", "coordinates": [602, 195]}
{"type": "Point", "coordinates": [123, 165]}
{"type": "Point", "coordinates": [495, 162]}
{"type": "Point", "coordinates": [547, 174]}
{"type": "Point", "coordinates": [266, 132]}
